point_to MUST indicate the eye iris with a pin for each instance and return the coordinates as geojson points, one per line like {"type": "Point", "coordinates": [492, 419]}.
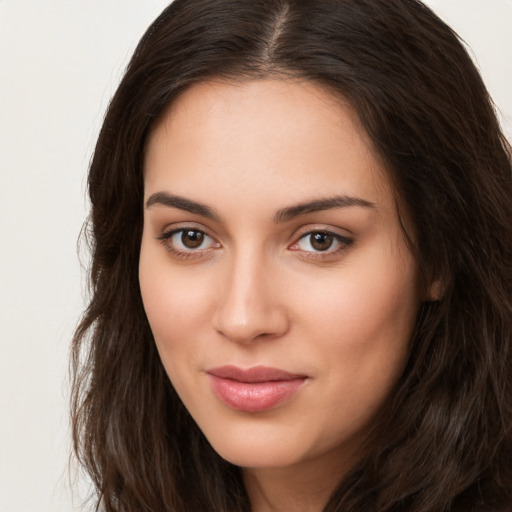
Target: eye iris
{"type": "Point", "coordinates": [192, 239]}
{"type": "Point", "coordinates": [321, 241]}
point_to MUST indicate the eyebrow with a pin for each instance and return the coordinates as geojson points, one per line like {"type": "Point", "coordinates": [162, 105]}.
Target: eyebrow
{"type": "Point", "coordinates": [318, 205]}
{"type": "Point", "coordinates": [172, 201]}
{"type": "Point", "coordinates": [282, 215]}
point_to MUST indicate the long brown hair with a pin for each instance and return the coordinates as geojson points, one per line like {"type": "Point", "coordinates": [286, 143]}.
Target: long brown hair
{"type": "Point", "coordinates": [444, 438]}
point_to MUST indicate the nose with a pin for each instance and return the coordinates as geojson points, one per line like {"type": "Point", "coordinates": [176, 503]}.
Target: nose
{"type": "Point", "coordinates": [250, 301]}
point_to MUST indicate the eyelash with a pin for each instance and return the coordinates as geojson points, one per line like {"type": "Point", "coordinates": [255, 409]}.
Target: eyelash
{"type": "Point", "coordinates": [344, 243]}
{"type": "Point", "coordinates": [166, 238]}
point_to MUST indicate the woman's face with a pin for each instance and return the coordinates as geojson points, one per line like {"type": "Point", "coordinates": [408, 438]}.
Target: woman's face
{"type": "Point", "coordinates": [273, 270]}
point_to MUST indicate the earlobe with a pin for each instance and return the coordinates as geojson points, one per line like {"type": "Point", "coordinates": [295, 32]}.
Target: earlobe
{"type": "Point", "coordinates": [436, 290]}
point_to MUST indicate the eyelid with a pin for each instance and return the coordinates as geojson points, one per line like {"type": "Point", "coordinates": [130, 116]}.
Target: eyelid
{"type": "Point", "coordinates": [175, 227]}
{"type": "Point", "coordinates": [172, 232]}
{"type": "Point", "coordinates": [325, 232]}
{"type": "Point", "coordinates": [166, 235]}
{"type": "Point", "coordinates": [322, 228]}
{"type": "Point", "coordinates": [344, 241]}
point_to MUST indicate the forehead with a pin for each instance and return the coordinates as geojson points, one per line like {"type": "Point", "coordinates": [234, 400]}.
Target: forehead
{"type": "Point", "coordinates": [284, 138]}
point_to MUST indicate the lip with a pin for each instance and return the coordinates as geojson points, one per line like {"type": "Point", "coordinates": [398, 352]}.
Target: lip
{"type": "Point", "coordinates": [254, 389]}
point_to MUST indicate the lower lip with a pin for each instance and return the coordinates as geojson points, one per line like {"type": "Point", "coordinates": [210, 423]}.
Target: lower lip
{"type": "Point", "coordinates": [254, 396]}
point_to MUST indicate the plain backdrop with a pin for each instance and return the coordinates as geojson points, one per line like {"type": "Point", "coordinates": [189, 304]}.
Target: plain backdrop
{"type": "Point", "coordinates": [60, 61]}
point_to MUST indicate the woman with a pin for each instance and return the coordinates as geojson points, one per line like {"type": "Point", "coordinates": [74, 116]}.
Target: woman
{"type": "Point", "coordinates": [301, 268]}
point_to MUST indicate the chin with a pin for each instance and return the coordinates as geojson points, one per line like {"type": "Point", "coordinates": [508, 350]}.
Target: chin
{"type": "Point", "coordinates": [257, 457]}
{"type": "Point", "coordinates": [257, 450]}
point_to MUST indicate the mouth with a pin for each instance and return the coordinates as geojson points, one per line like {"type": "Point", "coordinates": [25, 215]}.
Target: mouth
{"type": "Point", "coordinates": [254, 389]}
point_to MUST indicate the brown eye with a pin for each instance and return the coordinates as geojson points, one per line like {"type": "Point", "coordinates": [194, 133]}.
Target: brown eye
{"type": "Point", "coordinates": [321, 241]}
{"type": "Point", "coordinates": [187, 240]}
{"type": "Point", "coordinates": [192, 238]}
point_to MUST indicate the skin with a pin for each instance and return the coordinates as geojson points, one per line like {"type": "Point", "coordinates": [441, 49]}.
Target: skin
{"type": "Point", "coordinates": [260, 292]}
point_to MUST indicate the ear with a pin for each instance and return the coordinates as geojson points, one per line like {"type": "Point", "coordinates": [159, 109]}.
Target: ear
{"type": "Point", "coordinates": [436, 290]}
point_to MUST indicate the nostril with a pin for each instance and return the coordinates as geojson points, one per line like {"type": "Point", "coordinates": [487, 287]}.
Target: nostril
{"type": "Point", "coordinates": [250, 322]}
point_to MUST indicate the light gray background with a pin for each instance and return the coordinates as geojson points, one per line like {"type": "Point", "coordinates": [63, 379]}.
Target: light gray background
{"type": "Point", "coordinates": [60, 61]}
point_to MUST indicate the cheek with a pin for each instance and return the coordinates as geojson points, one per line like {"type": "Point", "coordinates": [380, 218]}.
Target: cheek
{"type": "Point", "coordinates": [363, 336]}
{"type": "Point", "coordinates": [176, 302]}
{"type": "Point", "coordinates": [364, 320]}
{"type": "Point", "coordinates": [364, 300]}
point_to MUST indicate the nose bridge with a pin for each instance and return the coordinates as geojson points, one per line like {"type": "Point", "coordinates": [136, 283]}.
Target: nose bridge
{"type": "Point", "coordinates": [249, 305]}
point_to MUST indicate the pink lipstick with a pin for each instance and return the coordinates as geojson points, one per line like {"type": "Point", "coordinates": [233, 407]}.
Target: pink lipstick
{"type": "Point", "coordinates": [253, 390]}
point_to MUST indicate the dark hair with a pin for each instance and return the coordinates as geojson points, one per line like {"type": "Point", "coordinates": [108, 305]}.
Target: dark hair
{"type": "Point", "coordinates": [445, 440]}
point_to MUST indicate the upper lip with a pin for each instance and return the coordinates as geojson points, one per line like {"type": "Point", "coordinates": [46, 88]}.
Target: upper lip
{"type": "Point", "coordinates": [254, 374]}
